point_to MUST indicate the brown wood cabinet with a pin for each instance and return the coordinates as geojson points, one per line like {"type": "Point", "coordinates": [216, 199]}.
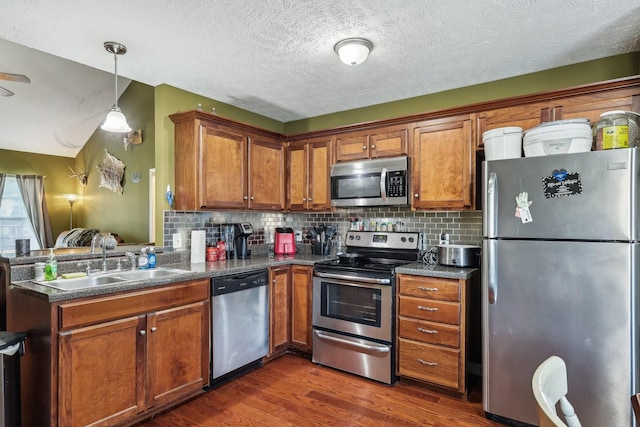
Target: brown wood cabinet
{"type": "Point", "coordinates": [279, 323]}
{"type": "Point", "coordinates": [432, 330]}
{"type": "Point", "coordinates": [116, 358]}
{"type": "Point", "coordinates": [308, 177]}
{"type": "Point", "coordinates": [301, 306]}
{"type": "Point", "coordinates": [383, 142]}
{"type": "Point", "coordinates": [221, 164]}
{"type": "Point", "coordinates": [442, 165]}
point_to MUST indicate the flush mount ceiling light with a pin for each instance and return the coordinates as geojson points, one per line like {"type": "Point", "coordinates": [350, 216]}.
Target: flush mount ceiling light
{"type": "Point", "coordinates": [353, 51]}
{"type": "Point", "coordinates": [116, 121]}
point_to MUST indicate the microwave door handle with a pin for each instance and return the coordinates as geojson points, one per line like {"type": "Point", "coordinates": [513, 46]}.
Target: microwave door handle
{"type": "Point", "coordinates": [383, 184]}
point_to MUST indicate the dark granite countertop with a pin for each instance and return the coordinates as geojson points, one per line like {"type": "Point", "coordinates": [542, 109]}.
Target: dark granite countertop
{"type": "Point", "coordinates": [422, 269]}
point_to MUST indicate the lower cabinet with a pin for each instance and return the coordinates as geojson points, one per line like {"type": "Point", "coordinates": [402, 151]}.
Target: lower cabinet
{"type": "Point", "coordinates": [113, 359]}
{"type": "Point", "coordinates": [432, 330]}
{"type": "Point", "coordinates": [290, 309]}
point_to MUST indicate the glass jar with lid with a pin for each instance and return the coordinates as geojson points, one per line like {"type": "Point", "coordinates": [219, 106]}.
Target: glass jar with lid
{"type": "Point", "coordinates": [612, 131]}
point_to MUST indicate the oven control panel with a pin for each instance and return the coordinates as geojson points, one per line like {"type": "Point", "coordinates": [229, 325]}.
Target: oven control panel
{"type": "Point", "coordinates": [382, 239]}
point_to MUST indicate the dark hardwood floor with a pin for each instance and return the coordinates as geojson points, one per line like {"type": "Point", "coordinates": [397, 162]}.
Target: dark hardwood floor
{"type": "Point", "coordinates": [293, 391]}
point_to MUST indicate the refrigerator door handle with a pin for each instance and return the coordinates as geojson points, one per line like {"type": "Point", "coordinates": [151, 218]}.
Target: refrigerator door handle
{"type": "Point", "coordinates": [491, 270]}
{"type": "Point", "coordinates": [492, 199]}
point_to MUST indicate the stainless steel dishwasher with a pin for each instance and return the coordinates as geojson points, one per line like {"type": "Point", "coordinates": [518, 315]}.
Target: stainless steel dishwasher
{"type": "Point", "coordinates": [240, 324]}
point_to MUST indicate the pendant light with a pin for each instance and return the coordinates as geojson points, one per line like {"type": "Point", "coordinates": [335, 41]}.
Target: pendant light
{"type": "Point", "coordinates": [116, 121]}
{"type": "Point", "coordinates": [353, 51]}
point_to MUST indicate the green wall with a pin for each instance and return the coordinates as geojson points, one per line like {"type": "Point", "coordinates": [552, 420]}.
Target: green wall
{"type": "Point", "coordinates": [56, 186]}
{"type": "Point", "coordinates": [572, 75]}
{"type": "Point", "coordinates": [126, 214]}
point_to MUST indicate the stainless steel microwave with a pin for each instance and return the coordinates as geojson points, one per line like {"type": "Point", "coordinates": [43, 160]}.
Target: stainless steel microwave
{"type": "Point", "coordinates": [377, 182]}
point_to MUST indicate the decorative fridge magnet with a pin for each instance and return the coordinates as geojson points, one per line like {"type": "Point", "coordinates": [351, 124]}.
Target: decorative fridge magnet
{"type": "Point", "coordinates": [111, 173]}
{"type": "Point", "coordinates": [562, 183]}
{"type": "Point", "coordinates": [133, 138]}
{"type": "Point", "coordinates": [522, 207]}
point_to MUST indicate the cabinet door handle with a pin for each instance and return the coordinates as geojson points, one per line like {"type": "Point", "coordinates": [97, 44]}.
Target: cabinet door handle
{"type": "Point", "coordinates": [245, 197]}
{"type": "Point", "coordinates": [426, 363]}
{"type": "Point", "coordinates": [427, 331]}
{"type": "Point", "coordinates": [153, 329]}
{"type": "Point", "coordinates": [274, 281]}
{"type": "Point", "coordinates": [142, 332]}
{"type": "Point", "coordinates": [373, 146]}
{"type": "Point", "coordinates": [251, 197]}
{"type": "Point", "coordinates": [416, 195]}
{"type": "Point", "coordinates": [422, 307]}
{"type": "Point", "coordinates": [304, 199]}
{"type": "Point", "coordinates": [364, 148]}
{"type": "Point", "coordinates": [310, 199]}
{"type": "Point", "coordinates": [424, 288]}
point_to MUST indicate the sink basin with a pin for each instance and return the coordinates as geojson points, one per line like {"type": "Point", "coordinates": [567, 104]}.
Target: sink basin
{"type": "Point", "coordinates": [83, 282]}
{"type": "Point", "coordinates": [152, 273]}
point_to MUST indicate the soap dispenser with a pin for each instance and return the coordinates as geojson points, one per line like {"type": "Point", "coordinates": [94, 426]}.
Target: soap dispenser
{"type": "Point", "coordinates": [51, 267]}
{"type": "Point", "coordinates": [151, 257]}
{"type": "Point", "coordinates": [143, 261]}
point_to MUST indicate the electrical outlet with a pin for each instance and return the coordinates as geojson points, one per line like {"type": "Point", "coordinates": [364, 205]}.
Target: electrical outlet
{"type": "Point", "coordinates": [177, 240]}
{"type": "Point", "coordinates": [298, 234]}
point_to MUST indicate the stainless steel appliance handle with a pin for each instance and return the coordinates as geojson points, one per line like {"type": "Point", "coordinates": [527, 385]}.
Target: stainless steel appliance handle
{"type": "Point", "coordinates": [491, 271]}
{"type": "Point", "coordinates": [491, 211]}
{"type": "Point", "coordinates": [353, 278]}
{"type": "Point", "coordinates": [376, 348]}
{"type": "Point", "coordinates": [383, 184]}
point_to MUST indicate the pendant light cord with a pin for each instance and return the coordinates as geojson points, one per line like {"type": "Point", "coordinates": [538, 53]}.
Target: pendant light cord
{"type": "Point", "coordinates": [115, 60]}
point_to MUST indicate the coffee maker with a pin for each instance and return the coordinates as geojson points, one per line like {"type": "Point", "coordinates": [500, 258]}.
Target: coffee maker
{"type": "Point", "coordinates": [241, 233]}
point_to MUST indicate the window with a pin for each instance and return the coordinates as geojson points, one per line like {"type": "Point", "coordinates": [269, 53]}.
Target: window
{"type": "Point", "coordinates": [14, 221]}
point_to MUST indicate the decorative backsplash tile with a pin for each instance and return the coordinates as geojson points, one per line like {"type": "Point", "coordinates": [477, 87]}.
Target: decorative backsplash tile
{"type": "Point", "coordinates": [463, 227]}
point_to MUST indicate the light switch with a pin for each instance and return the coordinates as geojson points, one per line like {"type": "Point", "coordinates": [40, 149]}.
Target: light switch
{"type": "Point", "coordinates": [298, 234]}
{"type": "Point", "coordinates": [177, 240]}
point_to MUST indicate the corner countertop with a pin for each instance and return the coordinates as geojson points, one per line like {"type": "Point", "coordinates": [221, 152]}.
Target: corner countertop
{"type": "Point", "coordinates": [431, 270]}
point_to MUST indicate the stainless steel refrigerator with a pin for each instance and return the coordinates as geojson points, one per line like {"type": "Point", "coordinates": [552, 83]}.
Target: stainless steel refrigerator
{"type": "Point", "coordinates": [560, 277]}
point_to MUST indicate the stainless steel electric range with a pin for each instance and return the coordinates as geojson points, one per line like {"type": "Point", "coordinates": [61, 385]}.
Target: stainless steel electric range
{"type": "Point", "coordinates": [354, 303]}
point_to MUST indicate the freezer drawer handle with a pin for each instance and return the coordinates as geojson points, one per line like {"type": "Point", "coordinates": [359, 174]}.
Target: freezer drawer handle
{"type": "Point", "coordinates": [426, 363]}
{"type": "Point", "coordinates": [422, 307]}
{"type": "Point", "coordinates": [423, 288]}
{"type": "Point", "coordinates": [427, 331]}
{"type": "Point", "coordinates": [379, 349]}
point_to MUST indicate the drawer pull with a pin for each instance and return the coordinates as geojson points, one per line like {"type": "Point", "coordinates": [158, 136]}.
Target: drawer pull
{"type": "Point", "coordinates": [427, 331]}
{"type": "Point", "coordinates": [424, 288]}
{"type": "Point", "coordinates": [426, 363]}
{"type": "Point", "coordinates": [421, 307]}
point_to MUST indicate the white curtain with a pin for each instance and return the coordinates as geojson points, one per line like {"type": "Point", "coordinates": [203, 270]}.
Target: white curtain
{"type": "Point", "coordinates": [2, 177]}
{"type": "Point", "coordinates": [32, 191]}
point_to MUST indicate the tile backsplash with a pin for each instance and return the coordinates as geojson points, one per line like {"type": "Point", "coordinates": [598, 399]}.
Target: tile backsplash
{"type": "Point", "coordinates": [463, 227]}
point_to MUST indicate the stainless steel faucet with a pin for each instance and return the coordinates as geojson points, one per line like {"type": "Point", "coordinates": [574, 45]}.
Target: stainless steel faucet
{"type": "Point", "coordinates": [104, 249]}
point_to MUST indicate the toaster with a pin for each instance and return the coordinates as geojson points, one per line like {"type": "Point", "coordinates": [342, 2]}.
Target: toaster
{"type": "Point", "coordinates": [285, 241]}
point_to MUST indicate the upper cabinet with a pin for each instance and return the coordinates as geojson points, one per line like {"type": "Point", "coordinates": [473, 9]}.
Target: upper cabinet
{"type": "Point", "coordinates": [220, 164]}
{"type": "Point", "coordinates": [309, 169]}
{"type": "Point", "coordinates": [442, 164]}
{"type": "Point", "coordinates": [382, 142]}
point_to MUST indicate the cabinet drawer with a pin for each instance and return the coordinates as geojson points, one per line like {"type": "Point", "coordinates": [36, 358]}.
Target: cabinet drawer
{"type": "Point", "coordinates": [440, 289]}
{"type": "Point", "coordinates": [429, 332]}
{"type": "Point", "coordinates": [427, 309]}
{"type": "Point", "coordinates": [426, 362]}
{"type": "Point", "coordinates": [103, 309]}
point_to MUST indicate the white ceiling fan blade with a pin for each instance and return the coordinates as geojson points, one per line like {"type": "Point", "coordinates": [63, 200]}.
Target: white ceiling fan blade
{"type": "Point", "coordinates": [20, 78]}
{"type": "Point", "coordinates": [5, 92]}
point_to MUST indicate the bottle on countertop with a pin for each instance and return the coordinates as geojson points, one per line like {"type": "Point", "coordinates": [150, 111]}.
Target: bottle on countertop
{"type": "Point", "coordinates": [51, 267]}
{"type": "Point", "coordinates": [222, 250]}
{"type": "Point", "coordinates": [151, 257]}
{"type": "Point", "coordinates": [143, 261]}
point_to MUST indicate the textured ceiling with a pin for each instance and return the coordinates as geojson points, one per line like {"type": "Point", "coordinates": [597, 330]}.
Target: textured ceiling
{"type": "Point", "coordinates": [276, 58]}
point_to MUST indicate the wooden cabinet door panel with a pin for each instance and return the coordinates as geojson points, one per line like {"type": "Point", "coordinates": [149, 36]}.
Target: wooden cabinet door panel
{"type": "Point", "coordinates": [592, 105]}
{"type": "Point", "coordinates": [267, 171]}
{"type": "Point", "coordinates": [175, 339]}
{"type": "Point", "coordinates": [319, 193]}
{"type": "Point", "coordinates": [433, 310]}
{"type": "Point", "coordinates": [101, 373]}
{"type": "Point", "coordinates": [301, 282]}
{"type": "Point", "coordinates": [298, 184]}
{"type": "Point", "coordinates": [429, 332]}
{"type": "Point", "coordinates": [223, 169]}
{"type": "Point", "coordinates": [279, 309]}
{"type": "Point", "coordinates": [442, 164]}
{"type": "Point", "coordinates": [389, 143]}
{"type": "Point", "coordinates": [524, 116]}
{"type": "Point", "coordinates": [426, 362]}
{"type": "Point", "coordinates": [428, 287]}
{"type": "Point", "coordinates": [352, 147]}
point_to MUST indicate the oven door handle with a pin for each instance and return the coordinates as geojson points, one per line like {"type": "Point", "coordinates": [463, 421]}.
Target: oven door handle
{"type": "Point", "coordinates": [353, 278]}
{"type": "Point", "coordinates": [377, 348]}
{"type": "Point", "coordinates": [383, 184]}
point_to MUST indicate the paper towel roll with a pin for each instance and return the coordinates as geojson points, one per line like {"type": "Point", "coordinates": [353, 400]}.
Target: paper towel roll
{"type": "Point", "coordinates": [198, 246]}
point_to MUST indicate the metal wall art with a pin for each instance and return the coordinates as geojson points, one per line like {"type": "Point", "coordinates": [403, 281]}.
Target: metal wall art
{"type": "Point", "coordinates": [111, 173]}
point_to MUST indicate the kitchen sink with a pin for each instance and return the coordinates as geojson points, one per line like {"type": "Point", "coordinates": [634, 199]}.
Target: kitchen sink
{"type": "Point", "coordinates": [83, 282]}
{"type": "Point", "coordinates": [152, 273]}
{"type": "Point", "coordinates": [112, 278]}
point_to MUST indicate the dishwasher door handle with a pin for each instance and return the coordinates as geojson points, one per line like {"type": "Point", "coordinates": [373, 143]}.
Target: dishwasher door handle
{"type": "Point", "coordinates": [377, 348]}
